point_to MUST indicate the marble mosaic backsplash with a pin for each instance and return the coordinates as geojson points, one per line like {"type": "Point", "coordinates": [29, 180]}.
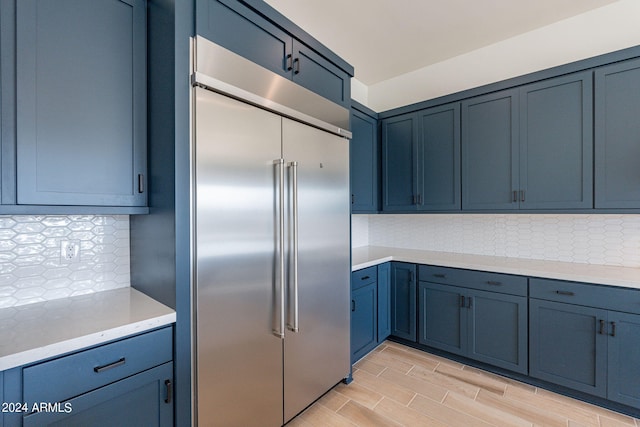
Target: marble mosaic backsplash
{"type": "Point", "coordinates": [33, 270]}
{"type": "Point", "coordinates": [587, 239]}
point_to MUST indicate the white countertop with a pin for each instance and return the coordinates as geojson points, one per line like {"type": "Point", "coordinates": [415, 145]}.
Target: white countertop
{"type": "Point", "coordinates": [37, 331]}
{"type": "Point", "coordinates": [628, 277]}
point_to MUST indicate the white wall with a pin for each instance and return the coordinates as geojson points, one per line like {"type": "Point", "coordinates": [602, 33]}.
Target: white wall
{"type": "Point", "coordinates": [602, 30]}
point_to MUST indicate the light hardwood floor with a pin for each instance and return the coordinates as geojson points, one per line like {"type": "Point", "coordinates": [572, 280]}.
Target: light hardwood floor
{"type": "Point", "coordinates": [399, 386]}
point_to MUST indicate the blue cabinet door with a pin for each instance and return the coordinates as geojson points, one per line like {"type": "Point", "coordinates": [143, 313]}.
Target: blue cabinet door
{"type": "Point", "coordinates": [490, 152]}
{"type": "Point", "coordinates": [363, 320]}
{"type": "Point", "coordinates": [81, 102]}
{"type": "Point", "coordinates": [319, 75]}
{"type": "Point", "coordinates": [556, 143]}
{"type": "Point", "coordinates": [443, 317]}
{"type": "Point", "coordinates": [399, 164]}
{"type": "Point", "coordinates": [363, 163]}
{"type": "Point", "coordinates": [403, 300]}
{"type": "Point", "coordinates": [624, 354]}
{"type": "Point", "coordinates": [145, 399]}
{"type": "Point", "coordinates": [439, 158]}
{"type": "Point", "coordinates": [497, 329]}
{"type": "Point", "coordinates": [568, 345]}
{"type": "Point", "coordinates": [617, 132]}
{"type": "Point", "coordinates": [384, 301]}
{"type": "Point", "coordinates": [235, 27]}
{"type": "Point", "coordinates": [7, 102]}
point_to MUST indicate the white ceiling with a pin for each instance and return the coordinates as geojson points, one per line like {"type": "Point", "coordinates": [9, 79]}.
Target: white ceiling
{"type": "Point", "coordinates": [383, 39]}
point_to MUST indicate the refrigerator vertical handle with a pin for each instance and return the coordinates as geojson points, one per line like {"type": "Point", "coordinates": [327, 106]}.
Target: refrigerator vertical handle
{"type": "Point", "coordinates": [279, 163]}
{"type": "Point", "coordinates": [294, 236]}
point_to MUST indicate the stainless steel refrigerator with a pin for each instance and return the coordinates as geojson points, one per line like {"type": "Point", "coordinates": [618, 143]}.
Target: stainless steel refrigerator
{"type": "Point", "coordinates": [271, 227]}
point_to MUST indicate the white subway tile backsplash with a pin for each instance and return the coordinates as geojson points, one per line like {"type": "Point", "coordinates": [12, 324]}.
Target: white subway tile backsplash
{"type": "Point", "coordinates": [31, 269]}
{"type": "Point", "coordinates": [588, 239]}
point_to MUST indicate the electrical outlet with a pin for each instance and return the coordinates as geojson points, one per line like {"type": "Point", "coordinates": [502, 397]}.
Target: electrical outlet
{"type": "Point", "coordinates": [69, 251]}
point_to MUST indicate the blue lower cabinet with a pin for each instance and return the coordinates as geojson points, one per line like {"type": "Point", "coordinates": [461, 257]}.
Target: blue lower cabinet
{"type": "Point", "coordinates": [384, 301]}
{"type": "Point", "coordinates": [443, 316]}
{"type": "Point", "coordinates": [144, 399]}
{"type": "Point", "coordinates": [123, 383]}
{"type": "Point", "coordinates": [623, 358]}
{"type": "Point", "coordinates": [487, 326]}
{"type": "Point", "coordinates": [497, 330]}
{"type": "Point", "coordinates": [568, 345]}
{"type": "Point", "coordinates": [403, 300]}
{"type": "Point", "coordinates": [370, 313]}
{"type": "Point", "coordinates": [363, 320]}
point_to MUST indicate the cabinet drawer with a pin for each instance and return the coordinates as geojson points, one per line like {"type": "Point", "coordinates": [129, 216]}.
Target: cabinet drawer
{"type": "Point", "coordinates": [599, 296]}
{"type": "Point", "coordinates": [363, 277]}
{"type": "Point", "coordinates": [485, 281]}
{"type": "Point", "coordinates": [78, 373]}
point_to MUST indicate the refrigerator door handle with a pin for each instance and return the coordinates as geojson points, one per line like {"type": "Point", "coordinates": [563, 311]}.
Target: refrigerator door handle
{"type": "Point", "coordinates": [293, 326]}
{"type": "Point", "coordinates": [279, 330]}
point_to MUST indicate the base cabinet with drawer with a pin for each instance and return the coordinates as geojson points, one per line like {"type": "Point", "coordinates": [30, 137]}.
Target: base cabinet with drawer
{"type": "Point", "coordinates": [586, 337]}
{"type": "Point", "coordinates": [482, 316]}
{"type": "Point", "coordinates": [126, 382]}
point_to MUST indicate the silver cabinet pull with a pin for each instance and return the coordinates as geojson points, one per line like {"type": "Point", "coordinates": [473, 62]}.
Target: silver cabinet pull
{"type": "Point", "coordinates": [279, 163]}
{"type": "Point", "coordinates": [294, 204]}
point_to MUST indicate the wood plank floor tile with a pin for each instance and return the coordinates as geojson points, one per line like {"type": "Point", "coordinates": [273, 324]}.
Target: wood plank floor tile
{"type": "Point", "coordinates": [489, 414]}
{"type": "Point", "coordinates": [426, 389]}
{"type": "Point", "coordinates": [482, 381]}
{"type": "Point", "coordinates": [537, 415]}
{"type": "Point", "coordinates": [411, 357]}
{"type": "Point", "coordinates": [397, 385]}
{"type": "Point", "coordinates": [550, 403]}
{"type": "Point", "coordinates": [389, 361]}
{"type": "Point", "coordinates": [613, 422]}
{"type": "Point", "coordinates": [319, 416]}
{"type": "Point", "coordinates": [625, 419]}
{"type": "Point", "coordinates": [333, 400]}
{"type": "Point", "coordinates": [363, 416]}
{"type": "Point", "coordinates": [370, 366]}
{"type": "Point", "coordinates": [386, 388]}
{"type": "Point", "coordinates": [406, 416]}
{"type": "Point", "coordinates": [359, 393]}
{"type": "Point", "coordinates": [445, 414]}
{"type": "Point", "coordinates": [448, 382]}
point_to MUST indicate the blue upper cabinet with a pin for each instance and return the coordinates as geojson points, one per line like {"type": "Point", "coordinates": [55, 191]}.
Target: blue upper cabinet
{"type": "Point", "coordinates": [254, 30]}
{"type": "Point", "coordinates": [81, 102]}
{"type": "Point", "coordinates": [617, 136]}
{"type": "Point", "coordinates": [233, 26]}
{"type": "Point", "coordinates": [439, 158]}
{"type": "Point", "coordinates": [529, 148]}
{"type": "Point", "coordinates": [421, 160]}
{"type": "Point", "coordinates": [556, 143]}
{"type": "Point", "coordinates": [490, 152]}
{"type": "Point", "coordinates": [399, 154]}
{"type": "Point", "coordinates": [364, 161]}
